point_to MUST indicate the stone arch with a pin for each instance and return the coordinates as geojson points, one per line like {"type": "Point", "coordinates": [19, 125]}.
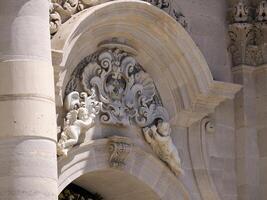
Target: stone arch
{"type": "Point", "coordinates": [165, 51]}
{"type": "Point", "coordinates": [161, 46]}
{"type": "Point", "coordinates": [94, 156]}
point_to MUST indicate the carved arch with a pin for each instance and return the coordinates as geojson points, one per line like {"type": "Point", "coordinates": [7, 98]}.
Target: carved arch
{"type": "Point", "coordinates": [161, 46]}
{"type": "Point", "coordinates": [94, 156]}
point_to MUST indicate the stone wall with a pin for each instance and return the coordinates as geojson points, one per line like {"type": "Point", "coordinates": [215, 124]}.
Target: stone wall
{"type": "Point", "coordinates": [207, 26]}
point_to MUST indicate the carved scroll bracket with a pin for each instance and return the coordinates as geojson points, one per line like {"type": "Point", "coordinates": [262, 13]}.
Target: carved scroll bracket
{"type": "Point", "coordinates": [119, 149]}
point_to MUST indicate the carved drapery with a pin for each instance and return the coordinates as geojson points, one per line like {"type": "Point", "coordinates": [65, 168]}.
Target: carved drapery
{"type": "Point", "coordinates": [114, 89]}
{"type": "Point", "coordinates": [247, 31]}
{"type": "Point", "coordinates": [62, 10]}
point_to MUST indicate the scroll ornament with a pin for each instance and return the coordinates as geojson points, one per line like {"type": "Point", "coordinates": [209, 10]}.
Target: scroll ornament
{"type": "Point", "coordinates": [122, 94]}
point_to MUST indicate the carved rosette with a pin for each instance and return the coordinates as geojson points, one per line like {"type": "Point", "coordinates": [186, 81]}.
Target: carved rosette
{"type": "Point", "coordinates": [119, 149]}
{"type": "Point", "coordinates": [127, 93]}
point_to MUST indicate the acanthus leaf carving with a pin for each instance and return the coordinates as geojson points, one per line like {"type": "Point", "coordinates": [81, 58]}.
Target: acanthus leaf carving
{"type": "Point", "coordinates": [262, 11]}
{"type": "Point", "coordinates": [247, 32]}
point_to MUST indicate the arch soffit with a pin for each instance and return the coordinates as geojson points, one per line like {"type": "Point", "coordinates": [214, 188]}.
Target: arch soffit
{"type": "Point", "coordinates": [162, 47]}
{"type": "Point", "coordinates": [94, 156]}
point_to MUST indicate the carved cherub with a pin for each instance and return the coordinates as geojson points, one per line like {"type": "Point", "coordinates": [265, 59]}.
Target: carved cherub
{"type": "Point", "coordinates": [79, 119]}
{"type": "Point", "coordinates": [54, 20]}
{"type": "Point", "coordinates": [158, 136]}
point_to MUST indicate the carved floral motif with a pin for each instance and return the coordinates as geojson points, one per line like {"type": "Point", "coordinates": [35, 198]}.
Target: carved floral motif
{"type": "Point", "coordinates": [241, 12]}
{"type": "Point", "coordinates": [262, 11]}
{"type": "Point", "coordinates": [248, 34]}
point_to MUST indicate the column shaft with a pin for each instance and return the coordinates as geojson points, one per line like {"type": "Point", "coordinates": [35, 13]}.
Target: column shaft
{"type": "Point", "coordinates": [28, 163]}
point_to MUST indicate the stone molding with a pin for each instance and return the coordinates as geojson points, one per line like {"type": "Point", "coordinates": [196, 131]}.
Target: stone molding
{"type": "Point", "coordinates": [97, 153]}
{"type": "Point", "coordinates": [62, 10]}
{"type": "Point", "coordinates": [247, 31]}
{"type": "Point", "coordinates": [188, 97]}
{"type": "Point", "coordinates": [119, 149]}
{"type": "Point", "coordinates": [199, 158]}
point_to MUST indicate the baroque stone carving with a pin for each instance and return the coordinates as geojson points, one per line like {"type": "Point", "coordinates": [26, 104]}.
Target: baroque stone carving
{"type": "Point", "coordinates": [241, 35]}
{"type": "Point", "coordinates": [127, 93]}
{"type": "Point", "coordinates": [80, 117]}
{"type": "Point", "coordinates": [119, 149]}
{"type": "Point", "coordinates": [62, 10]}
{"type": "Point", "coordinates": [248, 34]}
{"type": "Point", "coordinates": [159, 138]}
{"type": "Point", "coordinates": [262, 11]}
{"type": "Point", "coordinates": [241, 12]}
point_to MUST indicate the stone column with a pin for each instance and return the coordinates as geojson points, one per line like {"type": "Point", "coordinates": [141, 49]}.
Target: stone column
{"type": "Point", "coordinates": [28, 165]}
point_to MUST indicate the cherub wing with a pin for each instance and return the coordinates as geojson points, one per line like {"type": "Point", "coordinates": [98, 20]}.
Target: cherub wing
{"type": "Point", "coordinates": [72, 100]}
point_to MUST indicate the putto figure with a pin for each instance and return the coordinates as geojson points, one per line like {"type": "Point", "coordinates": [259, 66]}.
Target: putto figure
{"type": "Point", "coordinates": [82, 111]}
{"type": "Point", "coordinates": [158, 136]}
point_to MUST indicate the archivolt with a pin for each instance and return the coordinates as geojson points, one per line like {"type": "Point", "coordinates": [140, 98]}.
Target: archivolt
{"type": "Point", "coordinates": [161, 46]}
{"type": "Point", "coordinates": [94, 156]}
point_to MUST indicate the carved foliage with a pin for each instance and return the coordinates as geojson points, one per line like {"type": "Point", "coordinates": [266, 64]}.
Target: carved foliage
{"type": "Point", "coordinates": [119, 149]}
{"type": "Point", "coordinates": [262, 11]}
{"type": "Point", "coordinates": [127, 93]}
{"type": "Point", "coordinates": [248, 34]}
{"type": "Point", "coordinates": [241, 12]}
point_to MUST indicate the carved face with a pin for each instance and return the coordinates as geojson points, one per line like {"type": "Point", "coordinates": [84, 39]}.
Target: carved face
{"type": "Point", "coordinates": [83, 113]}
{"type": "Point", "coordinates": [164, 128]}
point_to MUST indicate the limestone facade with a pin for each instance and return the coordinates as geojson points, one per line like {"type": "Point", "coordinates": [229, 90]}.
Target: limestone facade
{"type": "Point", "coordinates": [131, 99]}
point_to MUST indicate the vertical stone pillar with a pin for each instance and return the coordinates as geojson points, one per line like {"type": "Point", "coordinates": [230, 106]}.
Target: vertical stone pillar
{"type": "Point", "coordinates": [246, 117]}
{"type": "Point", "coordinates": [28, 166]}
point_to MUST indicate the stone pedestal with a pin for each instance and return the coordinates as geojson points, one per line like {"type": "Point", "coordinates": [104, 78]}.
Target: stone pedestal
{"type": "Point", "coordinates": [28, 165]}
